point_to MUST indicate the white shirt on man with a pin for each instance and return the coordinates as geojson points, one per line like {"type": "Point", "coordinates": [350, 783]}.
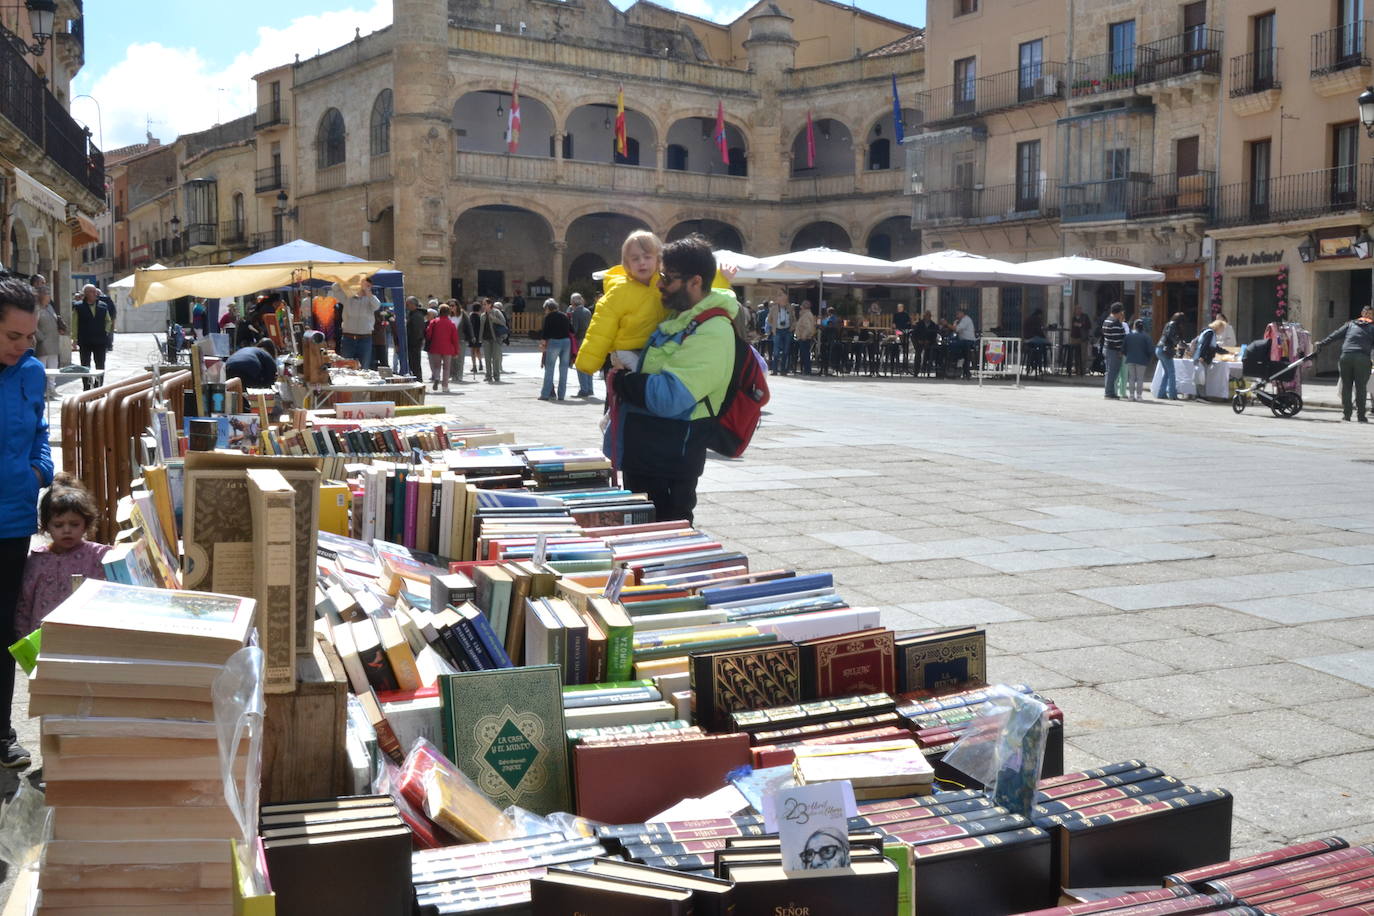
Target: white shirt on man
{"type": "Point", "coordinates": [964, 329]}
{"type": "Point", "coordinates": [359, 312]}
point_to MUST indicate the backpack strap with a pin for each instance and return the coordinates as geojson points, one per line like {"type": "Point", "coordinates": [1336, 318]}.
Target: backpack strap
{"type": "Point", "coordinates": [698, 321]}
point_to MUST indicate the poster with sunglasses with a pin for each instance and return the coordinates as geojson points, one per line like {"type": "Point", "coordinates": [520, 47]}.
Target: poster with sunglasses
{"type": "Point", "coordinates": [813, 827]}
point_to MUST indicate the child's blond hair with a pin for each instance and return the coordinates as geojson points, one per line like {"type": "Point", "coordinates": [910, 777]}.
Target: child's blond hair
{"type": "Point", "coordinates": [640, 240]}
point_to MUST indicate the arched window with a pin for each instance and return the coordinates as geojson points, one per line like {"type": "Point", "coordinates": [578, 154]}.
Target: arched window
{"type": "Point", "coordinates": [236, 229]}
{"type": "Point", "coordinates": [676, 157]}
{"type": "Point", "coordinates": [381, 124]}
{"type": "Point", "coordinates": [329, 141]}
{"type": "Point", "coordinates": [631, 156]}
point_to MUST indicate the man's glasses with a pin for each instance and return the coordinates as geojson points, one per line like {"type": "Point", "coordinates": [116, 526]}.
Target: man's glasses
{"type": "Point", "coordinates": [668, 279]}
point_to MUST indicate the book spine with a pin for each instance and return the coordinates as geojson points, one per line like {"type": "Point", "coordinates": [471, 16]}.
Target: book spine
{"type": "Point", "coordinates": [1118, 805]}
{"type": "Point", "coordinates": [688, 863]}
{"type": "Point", "coordinates": [1257, 861]}
{"type": "Point", "coordinates": [679, 835]}
{"type": "Point", "coordinates": [1113, 903]}
{"type": "Point", "coordinates": [1087, 799]}
{"type": "Point", "coordinates": [1284, 888]}
{"type": "Point", "coordinates": [467, 634]}
{"type": "Point", "coordinates": [412, 505]}
{"type": "Point", "coordinates": [1092, 785]}
{"type": "Point", "coordinates": [1294, 870]}
{"type": "Point", "coordinates": [639, 695]}
{"type": "Point", "coordinates": [486, 636]}
{"type": "Point", "coordinates": [673, 828]}
{"type": "Point", "coordinates": [1078, 824]}
{"type": "Point", "coordinates": [1110, 769]}
{"type": "Point", "coordinates": [922, 834]}
{"type": "Point", "coordinates": [639, 851]}
{"type": "Point", "coordinates": [463, 657]}
{"type": "Point", "coordinates": [1181, 906]}
{"type": "Point", "coordinates": [963, 844]}
{"type": "Point", "coordinates": [911, 816]}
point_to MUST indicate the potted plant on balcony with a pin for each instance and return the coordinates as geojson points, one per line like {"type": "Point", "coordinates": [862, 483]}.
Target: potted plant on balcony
{"type": "Point", "coordinates": [1121, 80]}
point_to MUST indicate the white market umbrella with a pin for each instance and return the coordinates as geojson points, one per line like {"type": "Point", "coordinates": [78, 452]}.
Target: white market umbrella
{"type": "Point", "coordinates": [952, 267]}
{"type": "Point", "coordinates": [821, 262]}
{"type": "Point", "coordinates": [1076, 267]}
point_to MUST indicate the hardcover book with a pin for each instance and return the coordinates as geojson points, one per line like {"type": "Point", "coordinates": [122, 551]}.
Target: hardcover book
{"type": "Point", "coordinates": [505, 730]}
{"type": "Point", "coordinates": [847, 665]}
{"type": "Point", "coordinates": [942, 660]}
{"type": "Point", "coordinates": [628, 783]}
{"type": "Point", "coordinates": [565, 892]}
{"type": "Point", "coordinates": [751, 678]}
{"type": "Point", "coordinates": [273, 505]}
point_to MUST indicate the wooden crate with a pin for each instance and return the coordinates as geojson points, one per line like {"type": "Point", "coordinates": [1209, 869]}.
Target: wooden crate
{"type": "Point", "coordinates": [303, 750]}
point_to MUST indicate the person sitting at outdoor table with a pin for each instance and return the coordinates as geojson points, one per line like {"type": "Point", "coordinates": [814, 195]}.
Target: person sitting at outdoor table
{"type": "Point", "coordinates": [256, 366]}
{"type": "Point", "coordinates": [1036, 343]}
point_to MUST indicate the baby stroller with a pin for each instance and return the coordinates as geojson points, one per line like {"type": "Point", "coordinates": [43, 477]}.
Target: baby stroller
{"type": "Point", "coordinates": [1256, 364]}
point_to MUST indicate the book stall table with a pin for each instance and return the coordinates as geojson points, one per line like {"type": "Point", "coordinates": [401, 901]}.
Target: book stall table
{"type": "Point", "coordinates": [512, 665]}
{"type": "Point", "coordinates": [402, 393]}
{"type": "Point", "coordinates": [1217, 386]}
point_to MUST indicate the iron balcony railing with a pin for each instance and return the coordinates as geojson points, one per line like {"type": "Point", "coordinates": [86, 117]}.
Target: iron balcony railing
{"type": "Point", "coordinates": [1026, 85]}
{"type": "Point", "coordinates": [1139, 196]}
{"type": "Point", "coordinates": [1341, 48]}
{"type": "Point", "coordinates": [36, 112]}
{"type": "Point", "coordinates": [1193, 51]}
{"type": "Point", "coordinates": [270, 114]}
{"type": "Point", "coordinates": [1000, 203]}
{"type": "Point", "coordinates": [271, 178]}
{"type": "Point", "coordinates": [1301, 196]}
{"type": "Point", "coordinates": [1101, 73]}
{"type": "Point", "coordinates": [1257, 71]}
{"type": "Point", "coordinates": [200, 235]}
{"type": "Point", "coordinates": [231, 232]}
{"type": "Point", "coordinates": [269, 239]}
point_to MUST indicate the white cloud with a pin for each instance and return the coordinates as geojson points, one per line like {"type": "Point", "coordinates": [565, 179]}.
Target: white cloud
{"type": "Point", "coordinates": [179, 90]}
{"type": "Point", "coordinates": [715, 12]}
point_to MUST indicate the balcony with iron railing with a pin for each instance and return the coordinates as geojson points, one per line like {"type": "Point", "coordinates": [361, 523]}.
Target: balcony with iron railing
{"type": "Point", "coordinates": [1194, 53]}
{"type": "Point", "coordinates": [272, 178]}
{"type": "Point", "coordinates": [200, 236]}
{"type": "Point", "coordinates": [997, 204]}
{"type": "Point", "coordinates": [270, 239]}
{"type": "Point", "coordinates": [1305, 195]}
{"type": "Point", "coordinates": [27, 103]}
{"type": "Point", "coordinates": [1255, 72]}
{"type": "Point", "coordinates": [270, 114]}
{"type": "Point", "coordinates": [1141, 196]}
{"type": "Point", "coordinates": [1103, 74]}
{"type": "Point", "coordinates": [1340, 60]}
{"type": "Point", "coordinates": [1028, 85]}
{"type": "Point", "coordinates": [232, 233]}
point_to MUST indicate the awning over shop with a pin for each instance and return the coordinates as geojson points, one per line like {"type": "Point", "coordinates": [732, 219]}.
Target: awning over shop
{"type": "Point", "coordinates": [152, 285]}
{"type": "Point", "coordinates": [83, 230]}
{"type": "Point", "coordinates": [39, 196]}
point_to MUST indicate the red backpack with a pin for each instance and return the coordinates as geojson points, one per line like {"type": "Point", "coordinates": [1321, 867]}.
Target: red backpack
{"type": "Point", "coordinates": [745, 396]}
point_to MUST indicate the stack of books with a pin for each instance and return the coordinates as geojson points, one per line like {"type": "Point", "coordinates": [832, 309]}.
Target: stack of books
{"type": "Point", "coordinates": [495, 875]}
{"type": "Point", "coordinates": [130, 754]}
{"type": "Point", "coordinates": [688, 846]}
{"type": "Point", "coordinates": [1325, 875]}
{"type": "Point", "coordinates": [343, 856]}
{"type": "Point", "coordinates": [868, 884]}
{"type": "Point", "coordinates": [876, 769]}
{"type": "Point", "coordinates": [1128, 823]}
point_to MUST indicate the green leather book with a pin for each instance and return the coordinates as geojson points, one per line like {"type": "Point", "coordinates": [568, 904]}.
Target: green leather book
{"type": "Point", "coordinates": [505, 730]}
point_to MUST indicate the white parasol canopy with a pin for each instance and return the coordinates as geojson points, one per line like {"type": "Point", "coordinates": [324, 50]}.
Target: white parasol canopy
{"type": "Point", "coordinates": [1076, 267]}
{"type": "Point", "coordinates": [236, 280]}
{"type": "Point", "coordinates": [952, 267]}
{"type": "Point", "coordinates": [829, 262]}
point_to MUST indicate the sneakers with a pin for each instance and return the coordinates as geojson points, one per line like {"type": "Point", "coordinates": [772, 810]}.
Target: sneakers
{"type": "Point", "coordinates": [14, 756]}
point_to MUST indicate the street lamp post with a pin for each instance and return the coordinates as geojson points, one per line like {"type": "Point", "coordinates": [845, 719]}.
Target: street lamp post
{"type": "Point", "coordinates": [99, 117]}
{"type": "Point", "coordinates": [41, 15]}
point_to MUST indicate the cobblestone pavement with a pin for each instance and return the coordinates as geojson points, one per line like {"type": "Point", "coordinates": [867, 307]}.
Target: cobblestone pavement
{"type": "Point", "coordinates": [1193, 587]}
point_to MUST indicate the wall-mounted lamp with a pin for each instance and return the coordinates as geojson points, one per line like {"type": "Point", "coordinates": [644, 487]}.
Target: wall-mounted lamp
{"type": "Point", "coordinates": [176, 225]}
{"type": "Point", "coordinates": [877, 130]}
{"type": "Point", "coordinates": [1366, 102]}
{"type": "Point", "coordinates": [1307, 251]}
{"type": "Point", "coordinates": [500, 112]}
{"type": "Point", "coordinates": [606, 124]}
{"type": "Point", "coordinates": [500, 232]}
{"type": "Point", "coordinates": [41, 15]}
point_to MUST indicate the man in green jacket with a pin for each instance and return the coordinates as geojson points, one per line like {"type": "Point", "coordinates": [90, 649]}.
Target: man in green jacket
{"type": "Point", "coordinates": [664, 412]}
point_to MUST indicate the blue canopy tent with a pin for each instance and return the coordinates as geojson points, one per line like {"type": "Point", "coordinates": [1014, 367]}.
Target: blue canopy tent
{"type": "Point", "coordinates": [388, 284]}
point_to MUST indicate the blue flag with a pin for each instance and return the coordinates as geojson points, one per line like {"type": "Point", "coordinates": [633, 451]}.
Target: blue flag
{"type": "Point", "coordinates": [897, 112]}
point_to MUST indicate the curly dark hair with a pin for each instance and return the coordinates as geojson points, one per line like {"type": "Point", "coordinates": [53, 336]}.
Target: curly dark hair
{"type": "Point", "coordinates": [16, 293]}
{"type": "Point", "coordinates": [67, 495]}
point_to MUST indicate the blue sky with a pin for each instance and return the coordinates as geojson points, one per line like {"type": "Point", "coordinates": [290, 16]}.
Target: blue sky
{"type": "Point", "coordinates": [176, 67]}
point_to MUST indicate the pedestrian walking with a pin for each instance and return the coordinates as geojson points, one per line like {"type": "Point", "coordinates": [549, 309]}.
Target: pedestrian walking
{"type": "Point", "coordinates": [1357, 341]}
{"type": "Point", "coordinates": [1166, 350]}
{"type": "Point", "coordinates": [491, 328]}
{"type": "Point", "coordinates": [415, 335]}
{"type": "Point", "coordinates": [1113, 338]}
{"type": "Point", "coordinates": [581, 318]}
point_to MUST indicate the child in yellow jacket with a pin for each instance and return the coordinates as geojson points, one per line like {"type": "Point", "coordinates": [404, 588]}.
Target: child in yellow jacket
{"type": "Point", "coordinates": [629, 310]}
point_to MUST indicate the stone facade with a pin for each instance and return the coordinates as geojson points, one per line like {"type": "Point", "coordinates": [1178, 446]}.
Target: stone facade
{"type": "Point", "coordinates": [459, 213]}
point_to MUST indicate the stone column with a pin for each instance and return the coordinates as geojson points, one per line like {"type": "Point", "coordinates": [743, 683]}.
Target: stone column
{"type": "Point", "coordinates": [662, 159]}
{"type": "Point", "coordinates": [558, 140]}
{"type": "Point", "coordinates": [421, 147]}
{"type": "Point", "coordinates": [560, 248]}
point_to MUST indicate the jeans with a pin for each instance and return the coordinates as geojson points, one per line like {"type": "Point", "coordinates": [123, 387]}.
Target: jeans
{"type": "Point", "coordinates": [1137, 379]}
{"type": "Point", "coordinates": [556, 351]}
{"type": "Point", "coordinates": [1113, 361]}
{"type": "Point", "coordinates": [584, 383]}
{"type": "Point", "coordinates": [782, 351]}
{"type": "Point", "coordinates": [1168, 387]}
{"type": "Point", "coordinates": [359, 348]}
{"type": "Point", "coordinates": [804, 351]}
{"type": "Point", "coordinates": [491, 355]}
{"type": "Point", "coordinates": [13, 554]}
{"type": "Point", "coordinates": [1354, 371]}
{"type": "Point", "coordinates": [413, 354]}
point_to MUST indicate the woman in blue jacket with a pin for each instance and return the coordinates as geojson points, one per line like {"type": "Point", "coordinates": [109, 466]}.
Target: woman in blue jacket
{"type": "Point", "coordinates": [25, 466]}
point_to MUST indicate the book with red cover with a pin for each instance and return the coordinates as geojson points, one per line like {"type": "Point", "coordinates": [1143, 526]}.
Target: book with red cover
{"type": "Point", "coordinates": [849, 664]}
{"type": "Point", "coordinates": [630, 783]}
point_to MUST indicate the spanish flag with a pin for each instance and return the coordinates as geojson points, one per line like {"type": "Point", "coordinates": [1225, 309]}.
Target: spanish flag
{"type": "Point", "coordinates": [621, 142]}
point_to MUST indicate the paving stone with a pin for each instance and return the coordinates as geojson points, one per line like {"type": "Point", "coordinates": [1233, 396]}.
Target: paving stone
{"type": "Point", "coordinates": [1285, 641]}
{"type": "Point", "coordinates": [1179, 750]}
{"type": "Point", "coordinates": [962, 611]}
{"type": "Point", "coordinates": [1052, 605]}
{"type": "Point", "coordinates": [1037, 635]}
{"type": "Point", "coordinates": [1355, 714]}
{"type": "Point", "coordinates": [1357, 666]}
{"type": "Point", "coordinates": [1017, 669]}
{"type": "Point", "coordinates": [1353, 632]}
{"type": "Point", "coordinates": [1347, 770]}
{"type": "Point", "coordinates": [1301, 802]}
{"type": "Point", "coordinates": [1196, 653]}
{"type": "Point", "coordinates": [1099, 664]}
{"type": "Point", "coordinates": [1285, 683]}
{"type": "Point", "coordinates": [858, 538]}
{"type": "Point", "coordinates": [1288, 737]}
{"type": "Point", "coordinates": [1088, 709]}
{"type": "Point", "coordinates": [1120, 629]}
{"type": "Point", "coordinates": [1183, 696]}
{"type": "Point", "coordinates": [1290, 609]}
